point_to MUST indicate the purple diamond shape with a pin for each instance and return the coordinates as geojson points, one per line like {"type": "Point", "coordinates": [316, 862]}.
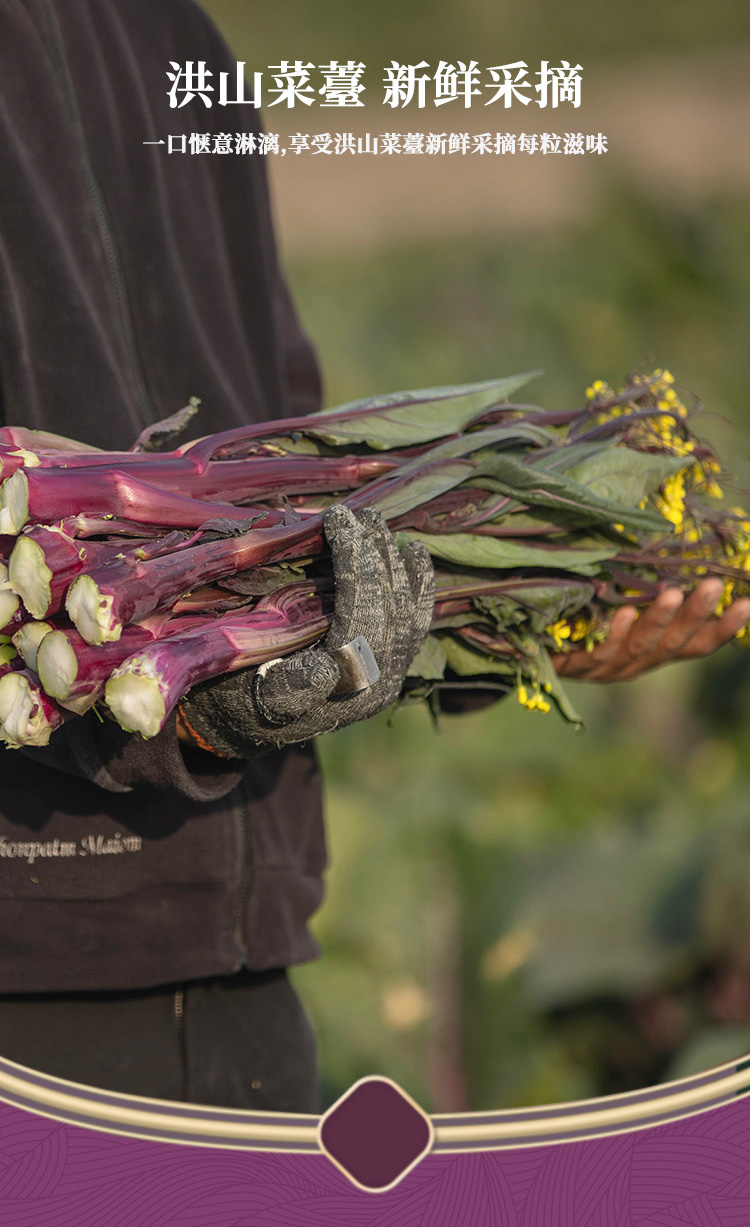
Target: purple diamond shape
{"type": "Point", "coordinates": [375, 1134]}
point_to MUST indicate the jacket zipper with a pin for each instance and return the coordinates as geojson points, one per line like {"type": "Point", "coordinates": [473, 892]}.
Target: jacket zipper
{"type": "Point", "coordinates": [243, 883]}
{"type": "Point", "coordinates": [179, 1012]}
{"type": "Point", "coordinates": [101, 212]}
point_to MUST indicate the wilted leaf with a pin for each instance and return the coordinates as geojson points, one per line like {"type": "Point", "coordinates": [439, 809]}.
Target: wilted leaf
{"type": "Point", "coordinates": [260, 580]}
{"type": "Point", "coordinates": [413, 417]}
{"type": "Point", "coordinates": [162, 435]}
{"type": "Point", "coordinates": [531, 483]}
{"type": "Point", "coordinates": [471, 550]}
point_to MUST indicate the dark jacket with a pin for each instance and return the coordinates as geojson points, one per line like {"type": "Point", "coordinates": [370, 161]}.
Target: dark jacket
{"type": "Point", "coordinates": [130, 280]}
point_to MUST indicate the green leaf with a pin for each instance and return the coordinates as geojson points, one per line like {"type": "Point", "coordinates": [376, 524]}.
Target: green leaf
{"type": "Point", "coordinates": [569, 454]}
{"type": "Point", "coordinates": [430, 661]}
{"type": "Point", "coordinates": [466, 662]}
{"type": "Point", "coordinates": [431, 478]}
{"type": "Point", "coordinates": [459, 583]}
{"type": "Point", "coordinates": [300, 445]}
{"type": "Point", "coordinates": [470, 617]}
{"type": "Point", "coordinates": [557, 692]}
{"type": "Point", "coordinates": [531, 483]}
{"type": "Point", "coordinates": [504, 611]}
{"type": "Point", "coordinates": [397, 499]}
{"type": "Point", "coordinates": [471, 550]}
{"type": "Point", "coordinates": [624, 476]}
{"type": "Point", "coordinates": [543, 605]}
{"type": "Point", "coordinates": [480, 440]}
{"type": "Point", "coordinates": [412, 417]}
{"type": "Point", "coordinates": [549, 523]}
{"type": "Point", "coordinates": [540, 667]}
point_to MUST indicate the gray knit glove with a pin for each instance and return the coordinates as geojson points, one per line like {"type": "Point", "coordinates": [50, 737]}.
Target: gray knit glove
{"type": "Point", "coordinates": [381, 593]}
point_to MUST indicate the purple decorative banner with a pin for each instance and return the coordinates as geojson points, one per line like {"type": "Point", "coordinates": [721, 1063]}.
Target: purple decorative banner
{"type": "Point", "coordinates": [692, 1171]}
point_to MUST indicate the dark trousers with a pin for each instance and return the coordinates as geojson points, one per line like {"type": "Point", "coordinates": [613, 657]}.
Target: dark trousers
{"type": "Point", "coordinates": [239, 1041]}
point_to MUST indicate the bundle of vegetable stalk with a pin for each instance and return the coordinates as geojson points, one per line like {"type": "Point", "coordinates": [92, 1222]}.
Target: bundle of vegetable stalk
{"type": "Point", "coordinates": [128, 577]}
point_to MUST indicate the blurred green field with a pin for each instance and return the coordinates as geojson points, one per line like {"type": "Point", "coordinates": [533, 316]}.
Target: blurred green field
{"type": "Point", "coordinates": [517, 913]}
{"type": "Point", "coordinates": [433, 29]}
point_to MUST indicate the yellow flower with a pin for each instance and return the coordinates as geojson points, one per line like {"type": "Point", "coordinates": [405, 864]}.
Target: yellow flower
{"type": "Point", "coordinates": [533, 702]}
{"type": "Point", "coordinates": [580, 629]}
{"type": "Point", "coordinates": [670, 500]}
{"type": "Point", "coordinates": [597, 387]}
{"type": "Point", "coordinates": [559, 631]}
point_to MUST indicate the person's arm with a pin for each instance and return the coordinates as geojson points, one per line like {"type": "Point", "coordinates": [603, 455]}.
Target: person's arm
{"type": "Point", "coordinates": [673, 627]}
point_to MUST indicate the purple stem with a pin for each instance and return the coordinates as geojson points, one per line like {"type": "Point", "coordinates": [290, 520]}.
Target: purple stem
{"type": "Point", "coordinates": [103, 492]}
{"type": "Point", "coordinates": [290, 619]}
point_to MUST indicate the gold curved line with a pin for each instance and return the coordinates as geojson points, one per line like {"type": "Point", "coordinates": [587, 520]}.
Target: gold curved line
{"type": "Point", "coordinates": [682, 1101]}
{"type": "Point", "coordinates": [163, 1122]}
{"type": "Point", "coordinates": [727, 1067]}
{"type": "Point", "coordinates": [61, 1104]}
{"type": "Point", "coordinates": [583, 1136]}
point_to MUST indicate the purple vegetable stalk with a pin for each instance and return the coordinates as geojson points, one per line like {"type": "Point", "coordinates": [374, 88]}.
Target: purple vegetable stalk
{"type": "Point", "coordinates": [46, 496]}
{"type": "Point", "coordinates": [12, 458]}
{"type": "Point", "coordinates": [28, 717]}
{"type": "Point", "coordinates": [101, 603]}
{"type": "Point", "coordinates": [75, 673]}
{"type": "Point", "coordinates": [26, 641]}
{"type": "Point", "coordinates": [84, 526]}
{"type": "Point", "coordinates": [45, 561]}
{"type": "Point", "coordinates": [10, 666]}
{"type": "Point", "coordinates": [143, 691]}
{"type": "Point", "coordinates": [9, 603]}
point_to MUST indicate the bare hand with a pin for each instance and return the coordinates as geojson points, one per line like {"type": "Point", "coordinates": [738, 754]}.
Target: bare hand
{"type": "Point", "coordinates": [671, 628]}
